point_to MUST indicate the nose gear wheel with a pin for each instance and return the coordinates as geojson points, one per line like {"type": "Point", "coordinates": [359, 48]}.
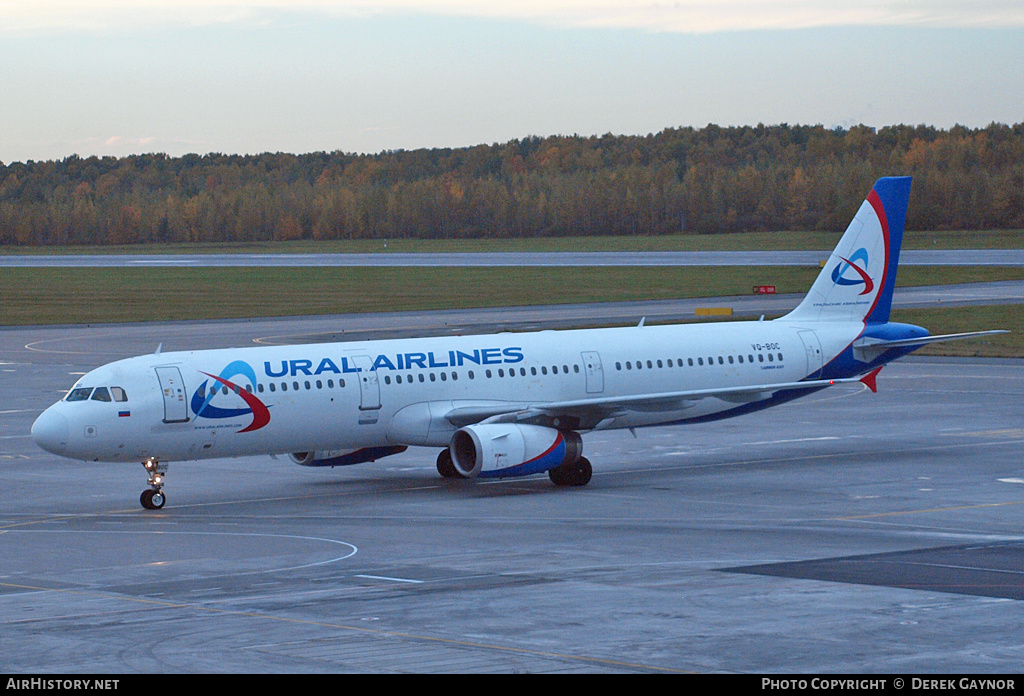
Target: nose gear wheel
{"type": "Point", "coordinates": [153, 497]}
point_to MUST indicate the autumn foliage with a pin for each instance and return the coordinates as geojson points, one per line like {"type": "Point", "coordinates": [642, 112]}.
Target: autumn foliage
{"type": "Point", "coordinates": [707, 181]}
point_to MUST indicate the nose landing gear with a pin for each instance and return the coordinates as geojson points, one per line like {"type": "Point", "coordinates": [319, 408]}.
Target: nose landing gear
{"type": "Point", "coordinates": [153, 498]}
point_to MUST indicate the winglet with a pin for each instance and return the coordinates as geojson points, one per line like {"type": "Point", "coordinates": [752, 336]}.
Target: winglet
{"type": "Point", "coordinates": [869, 379]}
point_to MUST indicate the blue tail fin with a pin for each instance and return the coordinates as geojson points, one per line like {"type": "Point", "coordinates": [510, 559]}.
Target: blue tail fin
{"type": "Point", "coordinates": [856, 283]}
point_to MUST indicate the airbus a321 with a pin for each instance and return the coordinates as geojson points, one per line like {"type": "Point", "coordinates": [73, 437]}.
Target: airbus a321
{"type": "Point", "coordinates": [509, 404]}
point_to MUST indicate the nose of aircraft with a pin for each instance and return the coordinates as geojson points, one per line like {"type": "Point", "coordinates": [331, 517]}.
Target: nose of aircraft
{"type": "Point", "coordinates": [50, 431]}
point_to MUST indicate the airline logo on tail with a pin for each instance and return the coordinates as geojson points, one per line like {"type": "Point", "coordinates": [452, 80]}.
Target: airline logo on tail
{"type": "Point", "coordinates": [838, 273]}
{"type": "Point", "coordinates": [202, 399]}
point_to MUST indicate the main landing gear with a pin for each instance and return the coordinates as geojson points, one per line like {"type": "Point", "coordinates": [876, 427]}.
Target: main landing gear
{"type": "Point", "coordinates": [576, 474]}
{"type": "Point", "coordinates": [445, 467]}
{"type": "Point", "coordinates": [153, 497]}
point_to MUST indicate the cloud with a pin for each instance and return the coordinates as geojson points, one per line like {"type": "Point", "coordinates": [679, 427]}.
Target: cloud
{"type": "Point", "coordinates": [680, 16]}
{"type": "Point", "coordinates": [120, 140]}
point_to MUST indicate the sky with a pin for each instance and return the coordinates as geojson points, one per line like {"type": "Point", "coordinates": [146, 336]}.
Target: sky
{"type": "Point", "coordinates": [117, 77]}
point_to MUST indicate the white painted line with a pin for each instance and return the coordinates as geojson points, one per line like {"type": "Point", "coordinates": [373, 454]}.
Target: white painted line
{"type": "Point", "coordinates": [383, 577]}
{"type": "Point", "coordinates": [961, 567]}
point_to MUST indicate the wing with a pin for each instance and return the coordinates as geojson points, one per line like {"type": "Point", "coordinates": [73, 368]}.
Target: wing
{"type": "Point", "coordinates": [598, 413]}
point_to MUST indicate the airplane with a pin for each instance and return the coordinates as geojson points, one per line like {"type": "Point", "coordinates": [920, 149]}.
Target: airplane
{"type": "Point", "coordinates": [496, 405]}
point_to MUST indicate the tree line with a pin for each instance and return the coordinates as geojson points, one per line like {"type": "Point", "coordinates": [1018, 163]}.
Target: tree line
{"type": "Point", "coordinates": [682, 180]}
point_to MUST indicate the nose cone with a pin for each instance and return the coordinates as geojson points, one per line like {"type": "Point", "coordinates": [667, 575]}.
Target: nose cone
{"type": "Point", "coordinates": [50, 431]}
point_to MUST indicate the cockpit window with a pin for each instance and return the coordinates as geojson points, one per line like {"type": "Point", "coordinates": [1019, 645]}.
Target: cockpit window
{"type": "Point", "coordinates": [79, 394]}
{"type": "Point", "coordinates": [118, 394]}
{"type": "Point", "coordinates": [101, 394]}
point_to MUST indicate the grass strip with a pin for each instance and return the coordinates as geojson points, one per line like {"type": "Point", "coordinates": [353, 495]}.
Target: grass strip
{"type": "Point", "coordinates": [105, 295]}
{"type": "Point", "coordinates": [737, 241]}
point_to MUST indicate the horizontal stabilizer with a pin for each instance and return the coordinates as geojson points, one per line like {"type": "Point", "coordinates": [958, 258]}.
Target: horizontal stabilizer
{"type": "Point", "coordinates": [867, 349]}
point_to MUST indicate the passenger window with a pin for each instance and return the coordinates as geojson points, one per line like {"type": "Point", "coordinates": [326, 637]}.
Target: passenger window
{"type": "Point", "coordinates": [80, 394]}
{"type": "Point", "coordinates": [101, 394]}
{"type": "Point", "coordinates": [119, 394]}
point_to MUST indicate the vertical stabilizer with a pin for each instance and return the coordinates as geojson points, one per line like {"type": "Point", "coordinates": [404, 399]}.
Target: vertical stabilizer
{"type": "Point", "coordinates": [857, 281]}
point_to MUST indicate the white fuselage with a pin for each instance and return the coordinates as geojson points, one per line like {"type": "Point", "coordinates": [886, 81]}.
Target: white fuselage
{"type": "Point", "coordinates": [345, 396]}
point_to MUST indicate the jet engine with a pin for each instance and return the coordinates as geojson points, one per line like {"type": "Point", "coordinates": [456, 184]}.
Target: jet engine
{"type": "Point", "coordinates": [503, 449]}
{"type": "Point", "coordinates": [344, 457]}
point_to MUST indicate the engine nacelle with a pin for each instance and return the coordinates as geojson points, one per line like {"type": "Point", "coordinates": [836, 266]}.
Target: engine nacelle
{"type": "Point", "coordinates": [344, 457]}
{"type": "Point", "coordinates": [503, 449]}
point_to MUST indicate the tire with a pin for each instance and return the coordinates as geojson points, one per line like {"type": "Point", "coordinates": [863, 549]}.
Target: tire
{"type": "Point", "coordinates": [581, 472]}
{"type": "Point", "coordinates": [445, 467]}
